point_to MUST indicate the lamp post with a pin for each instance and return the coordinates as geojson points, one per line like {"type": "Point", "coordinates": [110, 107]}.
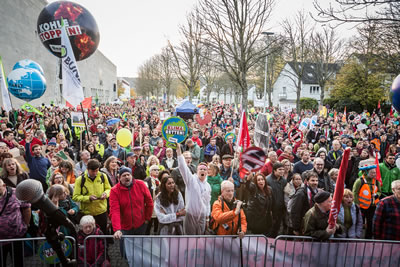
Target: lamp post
{"type": "Point", "coordinates": [266, 67]}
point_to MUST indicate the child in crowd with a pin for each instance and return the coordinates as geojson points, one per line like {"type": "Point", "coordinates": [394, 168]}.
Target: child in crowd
{"type": "Point", "coordinates": [95, 255]}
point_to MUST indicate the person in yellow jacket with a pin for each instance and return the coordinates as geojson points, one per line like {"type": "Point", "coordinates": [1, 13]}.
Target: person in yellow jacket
{"type": "Point", "coordinates": [366, 191]}
{"type": "Point", "coordinates": [92, 189]}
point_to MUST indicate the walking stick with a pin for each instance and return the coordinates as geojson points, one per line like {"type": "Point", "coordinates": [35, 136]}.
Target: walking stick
{"type": "Point", "coordinates": [240, 240]}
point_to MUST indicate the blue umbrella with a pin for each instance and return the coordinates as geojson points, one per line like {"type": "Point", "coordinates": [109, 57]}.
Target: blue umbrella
{"type": "Point", "coordinates": [113, 121]}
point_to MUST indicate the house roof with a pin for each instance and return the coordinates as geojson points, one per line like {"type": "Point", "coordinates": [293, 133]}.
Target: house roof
{"type": "Point", "coordinates": [310, 70]}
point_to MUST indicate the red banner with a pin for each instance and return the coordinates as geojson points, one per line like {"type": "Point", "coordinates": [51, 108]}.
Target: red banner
{"type": "Point", "coordinates": [338, 195]}
{"type": "Point", "coordinates": [244, 136]}
{"type": "Point", "coordinates": [86, 103]}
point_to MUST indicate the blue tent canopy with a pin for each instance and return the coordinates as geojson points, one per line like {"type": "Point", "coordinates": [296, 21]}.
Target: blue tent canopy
{"type": "Point", "coordinates": [187, 108]}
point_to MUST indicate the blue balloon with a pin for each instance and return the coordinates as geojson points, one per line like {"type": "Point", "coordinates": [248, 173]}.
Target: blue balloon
{"type": "Point", "coordinates": [396, 93]}
{"type": "Point", "coordinates": [28, 64]}
{"type": "Point", "coordinates": [26, 84]}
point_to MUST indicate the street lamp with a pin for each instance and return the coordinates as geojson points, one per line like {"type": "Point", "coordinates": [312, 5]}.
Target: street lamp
{"type": "Point", "coordinates": [266, 66]}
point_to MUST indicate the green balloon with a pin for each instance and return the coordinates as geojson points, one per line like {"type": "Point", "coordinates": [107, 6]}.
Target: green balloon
{"type": "Point", "coordinates": [396, 115]}
{"type": "Point", "coordinates": [368, 122]}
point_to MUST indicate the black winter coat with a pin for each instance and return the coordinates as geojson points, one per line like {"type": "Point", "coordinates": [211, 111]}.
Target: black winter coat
{"type": "Point", "coordinates": [298, 207]}
{"type": "Point", "coordinates": [259, 210]}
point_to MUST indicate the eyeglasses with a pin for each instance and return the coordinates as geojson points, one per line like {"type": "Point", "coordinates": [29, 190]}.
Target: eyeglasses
{"type": "Point", "coordinates": [155, 170]}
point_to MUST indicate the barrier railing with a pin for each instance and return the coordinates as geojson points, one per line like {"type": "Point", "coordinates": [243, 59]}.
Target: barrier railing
{"type": "Point", "coordinates": [184, 250]}
{"type": "Point", "coordinates": [306, 251]}
{"type": "Point", "coordinates": [208, 251]}
{"type": "Point", "coordinates": [34, 251]}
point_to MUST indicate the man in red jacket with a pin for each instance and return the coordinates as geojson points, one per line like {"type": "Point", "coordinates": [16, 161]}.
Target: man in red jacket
{"type": "Point", "coordinates": [131, 205]}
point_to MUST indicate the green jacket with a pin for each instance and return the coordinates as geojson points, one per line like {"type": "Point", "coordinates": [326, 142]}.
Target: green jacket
{"type": "Point", "coordinates": [316, 222]}
{"type": "Point", "coordinates": [96, 188]}
{"type": "Point", "coordinates": [388, 176]}
{"type": "Point", "coordinates": [215, 183]}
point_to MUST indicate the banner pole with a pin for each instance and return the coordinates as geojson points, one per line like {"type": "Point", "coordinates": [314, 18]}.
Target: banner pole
{"type": "Point", "coordinates": [84, 120]}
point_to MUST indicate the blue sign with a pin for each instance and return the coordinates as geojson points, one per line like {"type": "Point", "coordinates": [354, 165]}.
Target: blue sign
{"type": "Point", "coordinates": [174, 129]}
{"type": "Point", "coordinates": [230, 134]}
{"type": "Point", "coordinates": [48, 255]}
{"type": "Point", "coordinates": [26, 84]}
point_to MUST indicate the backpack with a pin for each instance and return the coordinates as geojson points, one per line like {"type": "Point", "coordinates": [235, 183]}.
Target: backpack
{"type": "Point", "coordinates": [213, 225]}
{"type": "Point", "coordinates": [84, 180]}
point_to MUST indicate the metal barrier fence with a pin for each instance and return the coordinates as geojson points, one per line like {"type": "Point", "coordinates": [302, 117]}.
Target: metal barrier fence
{"type": "Point", "coordinates": [209, 251]}
{"type": "Point", "coordinates": [35, 251]}
{"type": "Point", "coordinates": [306, 251]}
{"type": "Point", "coordinates": [183, 250]}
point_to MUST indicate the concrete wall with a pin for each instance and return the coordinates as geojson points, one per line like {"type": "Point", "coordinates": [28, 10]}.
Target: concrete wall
{"type": "Point", "coordinates": [19, 40]}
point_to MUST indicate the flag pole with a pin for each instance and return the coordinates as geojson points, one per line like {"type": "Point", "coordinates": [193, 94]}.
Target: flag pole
{"type": "Point", "coordinates": [84, 120]}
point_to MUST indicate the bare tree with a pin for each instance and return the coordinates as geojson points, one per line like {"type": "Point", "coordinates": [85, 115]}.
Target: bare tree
{"type": "Point", "coordinates": [232, 28]}
{"type": "Point", "coordinates": [298, 46]}
{"type": "Point", "coordinates": [342, 11]}
{"type": "Point", "coordinates": [327, 49]}
{"type": "Point", "coordinates": [210, 71]}
{"type": "Point", "coordinates": [148, 82]}
{"type": "Point", "coordinates": [274, 66]}
{"type": "Point", "coordinates": [166, 73]}
{"type": "Point", "coordinates": [188, 58]}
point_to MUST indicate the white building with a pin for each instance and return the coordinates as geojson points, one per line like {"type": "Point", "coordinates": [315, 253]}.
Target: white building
{"type": "Point", "coordinates": [19, 40]}
{"type": "Point", "coordinates": [284, 90]}
{"type": "Point", "coordinates": [227, 97]}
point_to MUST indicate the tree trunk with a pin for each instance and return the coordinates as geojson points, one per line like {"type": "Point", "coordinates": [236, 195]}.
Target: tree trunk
{"type": "Point", "coordinates": [298, 93]}
{"type": "Point", "coordinates": [269, 92]}
{"type": "Point", "coordinates": [190, 93]}
{"type": "Point", "coordinates": [225, 96]}
{"type": "Point", "coordinates": [322, 95]}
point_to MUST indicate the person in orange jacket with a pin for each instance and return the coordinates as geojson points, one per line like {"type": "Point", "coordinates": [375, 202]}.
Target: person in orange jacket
{"type": "Point", "coordinates": [227, 213]}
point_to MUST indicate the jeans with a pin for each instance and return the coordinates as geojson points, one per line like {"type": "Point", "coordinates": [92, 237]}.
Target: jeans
{"type": "Point", "coordinates": [134, 231]}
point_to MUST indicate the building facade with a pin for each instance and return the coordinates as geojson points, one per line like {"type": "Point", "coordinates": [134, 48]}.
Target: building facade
{"type": "Point", "coordinates": [19, 40]}
{"type": "Point", "coordinates": [284, 90]}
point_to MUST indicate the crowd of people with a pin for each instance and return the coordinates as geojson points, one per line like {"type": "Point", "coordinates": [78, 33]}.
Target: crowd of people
{"type": "Point", "coordinates": [198, 188]}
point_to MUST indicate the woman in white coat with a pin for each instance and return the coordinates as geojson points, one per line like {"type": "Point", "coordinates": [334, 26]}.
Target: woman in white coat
{"type": "Point", "coordinates": [169, 208]}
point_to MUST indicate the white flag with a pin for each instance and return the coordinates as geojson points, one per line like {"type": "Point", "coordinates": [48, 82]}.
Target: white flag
{"type": "Point", "coordinates": [4, 91]}
{"type": "Point", "coordinates": [72, 88]}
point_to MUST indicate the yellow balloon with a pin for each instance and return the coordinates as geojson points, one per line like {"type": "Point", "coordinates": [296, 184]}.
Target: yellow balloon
{"type": "Point", "coordinates": [252, 110]}
{"type": "Point", "coordinates": [124, 137]}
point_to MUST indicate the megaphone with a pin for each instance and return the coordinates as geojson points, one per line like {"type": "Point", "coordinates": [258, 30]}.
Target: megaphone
{"type": "Point", "coordinates": [363, 120]}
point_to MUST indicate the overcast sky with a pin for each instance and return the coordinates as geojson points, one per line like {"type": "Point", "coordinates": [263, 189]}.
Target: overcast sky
{"type": "Point", "coordinates": [132, 31]}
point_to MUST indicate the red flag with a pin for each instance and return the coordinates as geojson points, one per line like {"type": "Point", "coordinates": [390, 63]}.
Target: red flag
{"type": "Point", "coordinates": [391, 112]}
{"type": "Point", "coordinates": [379, 104]}
{"type": "Point", "coordinates": [338, 195]}
{"type": "Point", "coordinates": [378, 171]}
{"type": "Point", "coordinates": [244, 136]}
{"type": "Point", "coordinates": [344, 115]}
{"type": "Point", "coordinates": [86, 103]}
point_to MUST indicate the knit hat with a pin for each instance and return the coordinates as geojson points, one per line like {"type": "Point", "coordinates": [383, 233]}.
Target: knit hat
{"type": "Point", "coordinates": [52, 142]}
{"type": "Point", "coordinates": [124, 169]}
{"type": "Point", "coordinates": [367, 164]}
{"type": "Point", "coordinates": [321, 197]}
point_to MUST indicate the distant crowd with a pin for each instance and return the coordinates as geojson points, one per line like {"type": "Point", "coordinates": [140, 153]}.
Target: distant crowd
{"type": "Point", "coordinates": [198, 187]}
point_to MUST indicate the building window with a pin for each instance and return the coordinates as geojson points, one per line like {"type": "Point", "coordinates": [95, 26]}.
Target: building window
{"type": "Point", "coordinates": [284, 90]}
{"type": "Point", "coordinates": [314, 90]}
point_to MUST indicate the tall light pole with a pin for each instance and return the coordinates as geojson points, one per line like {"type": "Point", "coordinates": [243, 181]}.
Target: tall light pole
{"type": "Point", "coordinates": [266, 67]}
